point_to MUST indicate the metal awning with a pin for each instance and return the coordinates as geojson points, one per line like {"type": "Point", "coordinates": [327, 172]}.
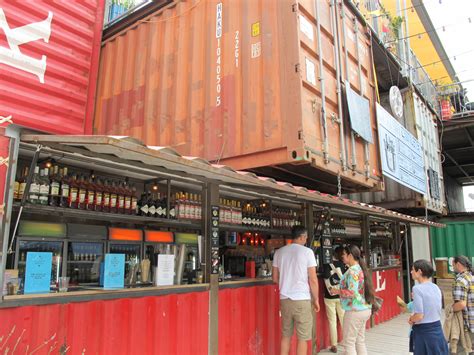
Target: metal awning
{"type": "Point", "coordinates": [126, 152]}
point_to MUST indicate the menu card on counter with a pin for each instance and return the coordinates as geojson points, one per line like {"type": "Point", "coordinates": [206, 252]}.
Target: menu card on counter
{"type": "Point", "coordinates": [38, 272]}
{"type": "Point", "coordinates": [114, 271]}
{"type": "Point", "coordinates": [165, 270]}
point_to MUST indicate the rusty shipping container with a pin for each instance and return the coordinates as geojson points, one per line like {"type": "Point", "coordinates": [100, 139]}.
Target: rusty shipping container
{"type": "Point", "coordinates": [254, 85]}
{"type": "Point", "coordinates": [49, 57]}
{"type": "Point", "coordinates": [421, 121]}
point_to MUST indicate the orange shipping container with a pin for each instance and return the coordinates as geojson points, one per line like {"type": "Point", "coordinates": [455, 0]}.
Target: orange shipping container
{"type": "Point", "coordinates": [240, 83]}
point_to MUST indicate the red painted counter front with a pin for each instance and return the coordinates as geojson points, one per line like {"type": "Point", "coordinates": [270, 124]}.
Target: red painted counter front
{"type": "Point", "coordinates": [388, 285]}
{"type": "Point", "coordinates": [171, 324]}
{"type": "Point", "coordinates": [249, 321]}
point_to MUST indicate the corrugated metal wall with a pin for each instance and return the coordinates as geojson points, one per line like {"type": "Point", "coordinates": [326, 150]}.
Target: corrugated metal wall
{"type": "Point", "coordinates": [238, 82]}
{"type": "Point", "coordinates": [173, 324]}
{"type": "Point", "coordinates": [49, 54]}
{"type": "Point", "coordinates": [249, 321]}
{"type": "Point", "coordinates": [457, 238]}
{"type": "Point", "coordinates": [393, 288]}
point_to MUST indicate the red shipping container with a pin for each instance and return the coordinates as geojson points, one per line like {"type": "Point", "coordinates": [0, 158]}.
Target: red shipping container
{"type": "Point", "coordinates": [249, 84]}
{"type": "Point", "coordinates": [48, 63]}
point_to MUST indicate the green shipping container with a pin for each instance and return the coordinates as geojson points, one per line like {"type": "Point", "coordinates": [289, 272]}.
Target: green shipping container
{"type": "Point", "coordinates": [457, 238]}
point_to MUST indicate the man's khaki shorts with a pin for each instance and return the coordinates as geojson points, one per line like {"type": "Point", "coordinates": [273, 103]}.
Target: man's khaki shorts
{"type": "Point", "coordinates": [299, 314]}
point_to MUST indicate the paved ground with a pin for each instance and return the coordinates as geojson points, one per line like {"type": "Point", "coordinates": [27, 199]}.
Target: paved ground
{"type": "Point", "coordinates": [389, 338]}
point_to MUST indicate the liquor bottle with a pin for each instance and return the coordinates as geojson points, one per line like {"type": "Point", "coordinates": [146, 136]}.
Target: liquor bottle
{"type": "Point", "coordinates": [151, 204]}
{"type": "Point", "coordinates": [143, 205]}
{"type": "Point", "coordinates": [64, 188]}
{"type": "Point", "coordinates": [172, 214]}
{"type": "Point", "coordinates": [191, 207]}
{"type": "Point", "coordinates": [199, 207]}
{"type": "Point", "coordinates": [120, 197]}
{"type": "Point", "coordinates": [179, 206]}
{"type": "Point", "coordinates": [158, 206]}
{"type": "Point", "coordinates": [73, 191]}
{"type": "Point", "coordinates": [239, 213]}
{"type": "Point", "coordinates": [90, 196]}
{"type": "Point", "coordinates": [187, 206]}
{"type": "Point", "coordinates": [106, 197]}
{"type": "Point", "coordinates": [98, 195]}
{"type": "Point", "coordinates": [16, 189]}
{"type": "Point", "coordinates": [22, 181]}
{"type": "Point", "coordinates": [113, 197]}
{"type": "Point", "coordinates": [33, 195]}
{"type": "Point", "coordinates": [55, 187]}
{"type": "Point", "coordinates": [44, 187]}
{"type": "Point", "coordinates": [82, 193]}
{"type": "Point", "coordinates": [127, 207]}
{"type": "Point", "coordinates": [134, 201]}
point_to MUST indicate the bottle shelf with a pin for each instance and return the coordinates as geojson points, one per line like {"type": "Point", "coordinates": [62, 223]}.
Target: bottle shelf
{"type": "Point", "coordinates": [252, 229]}
{"type": "Point", "coordinates": [103, 216]}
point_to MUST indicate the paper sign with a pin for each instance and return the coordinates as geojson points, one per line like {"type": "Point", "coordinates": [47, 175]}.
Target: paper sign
{"type": "Point", "coordinates": [165, 270]}
{"type": "Point", "coordinates": [359, 114]}
{"type": "Point", "coordinates": [38, 272]}
{"type": "Point", "coordinates": [114, 271]}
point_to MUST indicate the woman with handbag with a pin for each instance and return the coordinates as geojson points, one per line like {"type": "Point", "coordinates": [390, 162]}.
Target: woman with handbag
{"type": "Point", "coordinates": [357, 297]}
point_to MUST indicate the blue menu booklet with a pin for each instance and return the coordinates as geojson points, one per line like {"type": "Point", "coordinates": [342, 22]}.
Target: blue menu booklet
{"type": "Point", "coordinates": [38, 272]}
{"type": "Point", "coordinates": [114, 271]}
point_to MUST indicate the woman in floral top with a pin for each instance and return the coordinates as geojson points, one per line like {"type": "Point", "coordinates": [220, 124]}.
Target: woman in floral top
{"type": "Point", "coordinates": [357, 296]}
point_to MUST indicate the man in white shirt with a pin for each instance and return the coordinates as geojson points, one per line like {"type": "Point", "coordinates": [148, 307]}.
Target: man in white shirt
{"type": "Point", "coordinates": [294, 270]}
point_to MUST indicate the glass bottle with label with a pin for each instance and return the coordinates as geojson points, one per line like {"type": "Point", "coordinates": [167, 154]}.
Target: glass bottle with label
{"type": "Point", "coordinates": [113, 197]}
{"type": "Point", "coordinates": [134, 200]}
{"type": "Point", "coordinates": [90, 197]}
{"type": "Point", "coordinates": [44, 187]}
{"type": "Point", "coordinates": [73, 191]}
{"type": "Point", "coordinates": [98, 194]}
{"type": "Point", "coordinates": [33, 195]}
{"type": "Point", "coordinates": [172, 214]}
{"type": "Point", "coordinates": [121, 197]}
{"type": "Point", "coordinates": [143, 205]}
{"type": "Point", "coordinates": [82, 194]}
{"type": "Point", "coordinates": [64, 188]}
{"type": "Point", "coordinates": [158, 206]}
{"type": "Point", "coordinates": [151, 204]}
{"type": "Point", "coordinates": [106, 197]}
{"type": "Point", "coordinates": [127, 207]}
{"type": "Point", "coordinates": [55, 188]}
{"type": "Point", "coordinates": [22, 183]}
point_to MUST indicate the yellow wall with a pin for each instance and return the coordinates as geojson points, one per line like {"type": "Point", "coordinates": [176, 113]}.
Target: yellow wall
{"type": "Point", "coordinates": [423, 47]}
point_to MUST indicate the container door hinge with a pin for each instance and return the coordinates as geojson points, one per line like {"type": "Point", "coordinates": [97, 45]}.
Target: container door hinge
{"type": "Point", "coordinates": [294, 7]}
{"type": "Point", "coordinates": [297, 68]}
{"type": "Point", "coordinates": [300, 135]}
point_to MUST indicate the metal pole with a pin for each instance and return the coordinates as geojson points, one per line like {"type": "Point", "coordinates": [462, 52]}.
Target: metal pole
{"type": "Point", "coordinates": [347, 82]}
{"type": "Point", "coordinates": [338, 79]}
{"type": "Point", "coordinates": [324, 128]}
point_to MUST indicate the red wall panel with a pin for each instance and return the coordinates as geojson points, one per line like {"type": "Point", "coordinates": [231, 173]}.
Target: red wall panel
{"type": "Point", "coordinates": [388, 287]}
{"type": "Point", "coordinates": [49, 55]}
{"type": "Point", "coordinates": [172, 324]}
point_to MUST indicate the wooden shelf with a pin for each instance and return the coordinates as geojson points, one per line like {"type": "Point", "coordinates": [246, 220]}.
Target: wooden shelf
{"type": "Point", "coordinates": [102, 216]}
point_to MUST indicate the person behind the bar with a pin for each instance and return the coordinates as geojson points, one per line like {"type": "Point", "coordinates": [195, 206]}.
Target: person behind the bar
{"type": "Point", "coordinates": [332, 274]}
{"type": "Point", "coordinates": [357, 296]}
{"type": "Point", "coordinates": [427, 336]}
{"type": "Point", "coordinates": [294, 270]}
{"type": "Point", "coordinates": [463, 295]}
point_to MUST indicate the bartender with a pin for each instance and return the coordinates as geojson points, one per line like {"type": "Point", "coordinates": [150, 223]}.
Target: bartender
{"type": "Point", "coordinates": [332, 274]}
